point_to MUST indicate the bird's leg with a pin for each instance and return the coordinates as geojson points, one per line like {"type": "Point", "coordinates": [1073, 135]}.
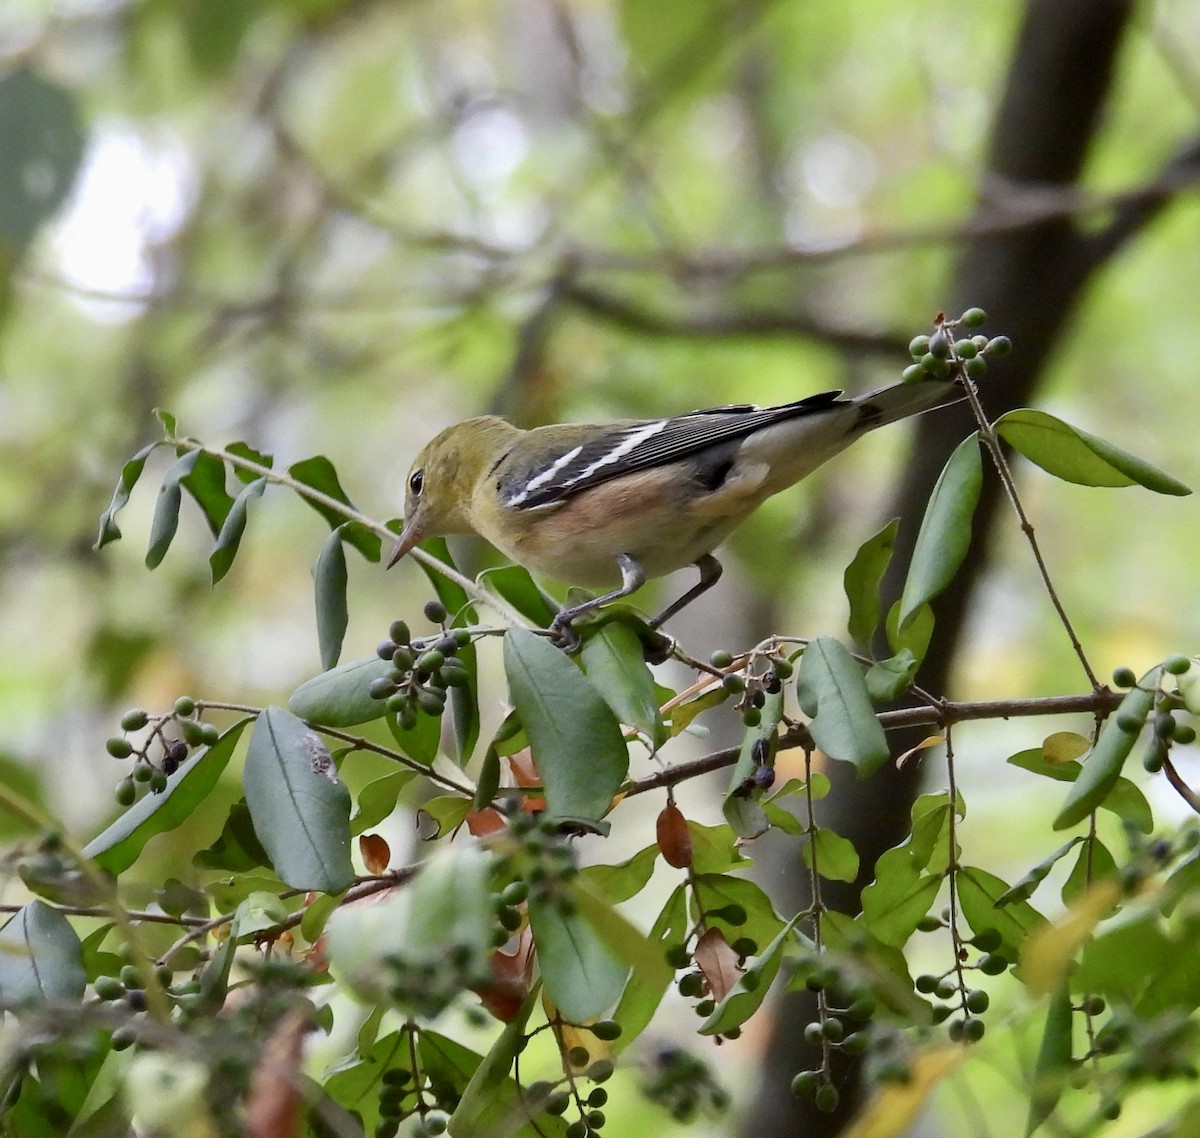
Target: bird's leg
{"type": "Point", "coordinates": [632, 578]}
{"type": "Point", "coordinates": [710, 574]}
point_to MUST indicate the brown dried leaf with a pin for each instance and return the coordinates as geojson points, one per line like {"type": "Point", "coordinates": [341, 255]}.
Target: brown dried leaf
{"type": "Point", "coordinates": [718, 962]}
{"type": "Point", "coordinates": [376, 853]}
{"type": "Point", "coordinates": [674, 837]}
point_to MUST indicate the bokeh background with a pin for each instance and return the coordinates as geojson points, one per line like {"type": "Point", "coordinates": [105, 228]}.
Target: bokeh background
{"type": "Point", "coordinates": [335, 226]}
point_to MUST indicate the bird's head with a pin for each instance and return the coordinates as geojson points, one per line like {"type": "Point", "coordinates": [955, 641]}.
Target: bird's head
{"type": "Point", "coordinates": [442, 480]}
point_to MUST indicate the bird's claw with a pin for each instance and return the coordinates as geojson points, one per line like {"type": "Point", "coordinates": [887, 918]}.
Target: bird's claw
{"type": "Point", "coordinates": [564, 636]}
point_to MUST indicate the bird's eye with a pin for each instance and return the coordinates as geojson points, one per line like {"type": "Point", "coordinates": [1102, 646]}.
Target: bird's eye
{"type": "Point", "coordinates": [415, 482]}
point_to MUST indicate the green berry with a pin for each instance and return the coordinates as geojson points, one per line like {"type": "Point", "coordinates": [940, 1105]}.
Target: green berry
{"type": "Point", "coordinates": [966, 349]}
{"type": "Point", "coordinates": [977, 1001]}
{"type": "Point", "coordinates": [1094, 1005]}
{"type": "Point", "coordinates": [930, 924]}
{"type": "Point", "coordinates": [118, 747]}
{"type": "Point", "coordinates": [826, 1098]}
{"type": "Point", "coordinates": [973, 1029]}
{"type": "Point", "coordinates": [125, 792]}
{"type": "Point", "coordinates": [193, 735]}
{"type": "Point", "coordinates": [991, 964]}
{"type": "Point", "coordinates": [733, 683]}
{"type": "Point", "coordinates": [1185, 734]}
{"type": "Point", "coordinates": [596, 1120]}
{"type": "Point", "coordinates": [861, 1009]}
{"type": "Point", "coordinates": [914, 373]}
{"type": "Point", "coordinates": [607, 1029]}
{"type": "Point", "coordinates": [398, 633]}
{"type": "Point", "coordinates": [1165, 725]}
{"type": "Point", "coordinates": [752, 717]}
{"type": "Point", "coordinates": [430, 702]}
{"type": "Point", "coordinates": [918, 346]}
{"type": "Point", "coordinates": [938, 368]}
{"type": "Point", "coordinates": [706, 1007]}
{"type": "Point", "coordinates": [998, 346]}
{"type": "Point", "coordinates": [435, 1122]}
{"type": "Point", "coordinates": [143, 772]}
{"type": "Point", "coordinates": [558, 1102]}
{"type": "Point", "coordinates": [380, 688]}
{"type": "Point", "coordinates": [1124, 678]}
{"type": "Point", "coordinates": [1129, 723]}
{"type": "Point", "coordinates": [430, 661]}
{"type": "Point", "coordinates": [856, 1043]}
{"type": "Point", "coordinates": [939, 345]}
{"type": "Point", "coordinates": [515, 892]}
{"type": "Point", "coordinates": [108, 988]}
{"type": "Point", "coordinates": [601, 1070]}
{"type": "Point", "coordinates": [813, 1034]}
{"type": "Point", "coordinates": [972, 318]}
{"type": "Point", "coordinates": [209, 734]}
{"type": "Point", "coordinates": [946, 988]}
{"type": "Point", "coordinates": [134, 719]}
{"type": "Point", "coordinates": [805, 1084]}
{"type": "Point", "coordinates": [926, 983]}
{"type": "Point", "coordinates": [677, 956]}
{"type": "Point", "coordinates": [833, 1030]}
{"type": "Point", "coordinates": [720, 658]}
{"type": "Point", "coordinates": [185, 705]}
{"type": "Point", "coordinates": [158, 782]}
{"type": "Point", "coordinates": [384, 649]}
{"type": "Point", "coordinates": [402, 659]}
{"type": "Point", "coordinates": [976, 368]}
{"type": "Point", "coordinates": [1155, 757]}
{"type": "Point", "coordinates": [1176, 664]}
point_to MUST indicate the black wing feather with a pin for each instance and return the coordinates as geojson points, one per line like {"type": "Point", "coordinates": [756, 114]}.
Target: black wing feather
{"type": "Point", "coordinates": [681, 437]}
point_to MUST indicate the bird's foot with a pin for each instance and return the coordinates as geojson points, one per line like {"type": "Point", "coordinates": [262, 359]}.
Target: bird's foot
{"type": "Point", "coordinates": [564, 636]}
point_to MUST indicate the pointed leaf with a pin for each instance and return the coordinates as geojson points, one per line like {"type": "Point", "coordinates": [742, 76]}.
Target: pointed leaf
{"type": "Point", "coordinates": [581, 973]}
{"type": "Point", "coordinates": [831, 689]}
{"type": "Point", "coordinates": [378, 799]}
{"type": "Point", "coordinates": [230, 536]}
{"type": "Point", "coordinates": [205, 482]}
{"type": "Point", "coordinates": [130, 473]}
{"type": "Point", "coordinates": [41, 958]}
{"type": "Point", "coordinates": [514, 584]}
{"type": "Point", "coordinates": [1103, 766]}
{"type": "Point", "coordinates": [894, 903]}
{"type": "Point", "coordinates": [329, 585]}
{"type": "Point", "coordinates": [1076, 456]}
{"type": "Point", "coordinates": [318, 472]}
{"type": "Point", "coordinates": [1055, 1061]}
{"type": "Point", "coordinates": [613, 661]}
{"type": "Point", "coordinates": [300, 808]}
{"type": "Point", "coordinates": [835, 857]}
{"type": "Point", "coordinates": [945, 530]}
{"type": "Point", "coordinates": [861, 582]}
{"type": "Point", "coordinates": [341, 697]}
{"type": "Point", "coordinates": [978, 892]}
{"type": "Point", "coordinates": [118, 846]}
{"type": "Point", "coordinates": [1024, 888]}
{"type": "Point", "coordinates": [575, 738]}
{"type": "Point", "coordinates": [166, 509]}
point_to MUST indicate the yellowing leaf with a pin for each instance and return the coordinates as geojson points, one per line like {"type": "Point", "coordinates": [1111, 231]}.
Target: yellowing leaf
{"type": "Point", "coordinates": [894, 1108]}
{"type": "Point", "coordinates": [1064, 746]}
{"type": "Point", "coordinates": [1049, 951]}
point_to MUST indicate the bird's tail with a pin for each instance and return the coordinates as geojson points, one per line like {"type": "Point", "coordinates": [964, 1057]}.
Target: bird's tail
{"type": "Point", "coordinates": [889, 404]}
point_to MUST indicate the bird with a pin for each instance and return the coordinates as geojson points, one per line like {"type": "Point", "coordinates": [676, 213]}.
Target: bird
{"type": "Point", "coordinates": [611, 505]}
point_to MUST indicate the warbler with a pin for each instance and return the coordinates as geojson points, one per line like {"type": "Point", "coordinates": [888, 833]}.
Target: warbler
{"type": "Point", "coordinates": [609, 505]}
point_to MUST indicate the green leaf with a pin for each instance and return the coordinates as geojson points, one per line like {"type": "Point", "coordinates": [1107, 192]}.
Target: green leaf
{"type": "Point", "coordinates": [583, 976]}
{"type": "Point", "coordinates": [915, 636]}
{"type": "Point", "coordinates": [617, 883]}
{"type": "Point", "coordinates": [718, 891]}
{"type": "Point", "coordinates": [238, 848]}
{"type": "Point", "coordinates": [889, 679]}
{"type": "Point", "coordinates": [831, 690]}
{"type": "Point", "coordinates": [300, 808]}
{"type": "Point", "coordinates": [1076, 456]}
{"type": "Point", "coordinates": [1094, 863]}
{"type": "Point", "coordinates": [945, 532]}
{"type": "Point", "coordinates": [514, 584]}
{"type": "Point", "coordinates": [487, 1104]}
{"type": "Point", "coordinates": [244, 450]}
{"type": "Point", "coordinates": [644, 992]}
{"type": "Point", "coordinates": [130, 473]}
{"type": "Point", "coordinates": [1024, 888]}
{"type": "Point", "coordinates": [747, 994]}
{"type": "Point", "coordinates": [41, 958]}
{"type": "Point", "coordinates": [861, 582]}
{"type": "Point", "coordinates": [715, 849]}
{"type": "Point", "coordinates": [978, 892]}
{"type": "Point", "coordinates": [683, 714]}
{"type": "Point", "coordinates": [318, 472]}
{"type": "Point", "coordinates": [166, 509]}
{"type": "Point", "coordinates": [1103, 766]}
{"type": "Point", "coordinates": [419, 742]}
{"type": "Point", "coordinates": [1055, 1061]}
{"type": "Point", "coordinates": [205, 482]}
{"type": "Point", "coordinates": [117, 847]}
{"type": "Point", "coordinates": [575, 739]}
{"type": "Point", "coordinates": [339, 697]}
{"type": "Point", "coordinates": [742, 807]}
{"type": "Point", "coordinates": [377, 800]}
{"type": "Point", "coordinates": [1125, 799]}
{"type": "Point", "coordinates": [613, 661]}
{"type": "Point", "coordinates": [329, 586]}
{"type": "Point", "coordinates": [894, 903]}
{"type": "Point", "coordinates": [44, 136]}
{"type": "Point", "coordinates": [447, 812]}
{"type": "Point", "coordinates": [624, 940]}
{"type": "Point", "coordinates": [835, 856]}
{"type": "Point", "coordinates": [230, 537]}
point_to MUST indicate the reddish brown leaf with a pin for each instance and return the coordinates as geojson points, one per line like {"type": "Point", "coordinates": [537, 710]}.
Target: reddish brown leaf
{"type": "Point", "coordinates": [718, 962]}
{"type": "Point", "coordinates": [273, 1105]}
{"type": "Point", "coordinates": [512, 978]}
{"type": "Point", "coordinates": [376, 853]}
{"type": "Point", "coordinates": [674, 837]}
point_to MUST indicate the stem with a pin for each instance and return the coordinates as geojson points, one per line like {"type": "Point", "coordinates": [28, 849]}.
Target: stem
{"type": "Point", "coordinates": [992, 442]}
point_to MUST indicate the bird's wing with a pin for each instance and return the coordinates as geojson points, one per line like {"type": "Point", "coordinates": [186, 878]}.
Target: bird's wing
{"type": "Point", "coordinates": [629, 447]}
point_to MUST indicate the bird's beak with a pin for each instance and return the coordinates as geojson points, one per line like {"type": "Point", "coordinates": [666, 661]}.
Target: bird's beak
{"type": "Point", "coordinates": [410, 536]}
